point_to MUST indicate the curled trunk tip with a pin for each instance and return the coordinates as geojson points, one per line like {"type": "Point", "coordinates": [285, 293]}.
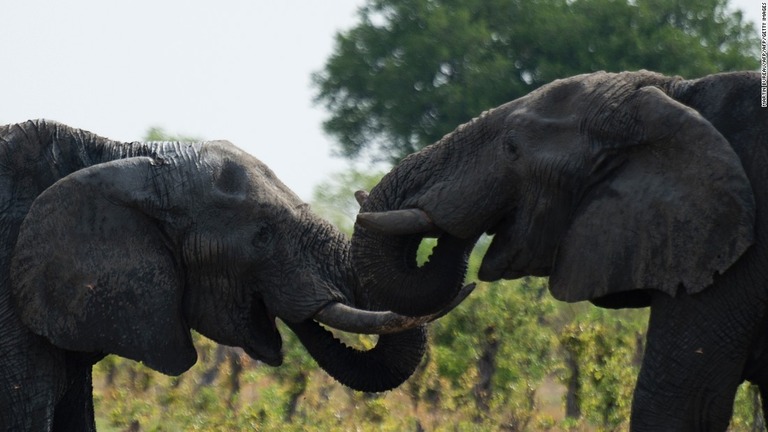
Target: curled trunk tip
{"type": "Point", "coordinates": [392, 279]}
{"type": "Point", "coordinates": [392, 361]}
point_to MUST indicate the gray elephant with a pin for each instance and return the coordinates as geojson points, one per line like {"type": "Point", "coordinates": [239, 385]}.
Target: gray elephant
{"type": "Point", "coordinates": [122, 248]}
{"type": "Point", "coordinates": [628, 190]}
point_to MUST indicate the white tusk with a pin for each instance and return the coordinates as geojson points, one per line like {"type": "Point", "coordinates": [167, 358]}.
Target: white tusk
{"type": "Point", "coordinates": [398, 222]}
{"type": "Point", "coordinates": [349, 319]}
{"type": "Point", "coordinates": [361, 196]}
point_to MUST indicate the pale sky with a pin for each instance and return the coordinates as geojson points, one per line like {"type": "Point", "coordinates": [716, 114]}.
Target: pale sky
{"type": "Point", "coordinates": [234, 69]}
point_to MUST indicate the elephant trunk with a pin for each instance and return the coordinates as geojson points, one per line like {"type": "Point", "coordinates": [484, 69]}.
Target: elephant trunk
{"type": "Point", "coordinates": [402, 341]}
{"type": "Point", "coordinates": [398, 352]}
{"type": "Point", "coordinates": [385, 260]}
{"type": "Point", "coordinates": [393, 280]}
{"type": "Point", "coordinates": [393, 360]}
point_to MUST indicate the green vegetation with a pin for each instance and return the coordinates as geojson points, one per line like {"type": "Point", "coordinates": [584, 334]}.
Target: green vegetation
{"type": "Point", "coordinates": [504, 360]}
{"type": "Point", "coordinates": [157, 133]}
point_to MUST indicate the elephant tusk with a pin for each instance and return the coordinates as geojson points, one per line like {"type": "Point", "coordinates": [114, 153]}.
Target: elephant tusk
{"type": "Point", "coordinates": [361, 196]}
{"type": "Point", "coordinates": [349, 319]}
{"type": "Point", "coordinates": [398, 222]}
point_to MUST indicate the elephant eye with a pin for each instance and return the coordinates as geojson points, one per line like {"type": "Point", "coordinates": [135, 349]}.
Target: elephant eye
{"type": "Point", "coordinates": [263, 236]}
{"type": "Point", "coordinates": [510, 146]}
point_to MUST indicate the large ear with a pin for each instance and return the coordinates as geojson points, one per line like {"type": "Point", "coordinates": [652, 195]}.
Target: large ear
{"type": "Point", "coordinates": [93, 271]}
{"type": "Point", "coordinates": [674, 209]}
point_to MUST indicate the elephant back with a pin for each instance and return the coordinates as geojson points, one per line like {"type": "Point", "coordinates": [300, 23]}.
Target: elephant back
{"type": "Point", "coordinates": [37, 153]}
{"type": "Point", "coordinates": [33, 156]}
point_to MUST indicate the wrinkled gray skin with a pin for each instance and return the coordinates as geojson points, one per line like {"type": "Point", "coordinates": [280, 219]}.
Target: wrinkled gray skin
{"type": "Point", "coordinates": [123, 248]}
{"type": "Point", "coordinates": [628, 190]}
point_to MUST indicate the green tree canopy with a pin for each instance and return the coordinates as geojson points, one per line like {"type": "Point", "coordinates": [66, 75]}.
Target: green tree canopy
{"type": "Point", "coordinates": [157, 133]}
{"type": "Point", "coordinates": [412, 70]}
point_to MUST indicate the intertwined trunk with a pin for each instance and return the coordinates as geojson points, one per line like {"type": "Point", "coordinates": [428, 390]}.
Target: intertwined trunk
{"type": "Point", "coordinates": [386, 366]}
{"type": "Point", "coordinates": [393, 280]}
{"type": "Point", "coordinates": [395, 356]}
{"type": "Point", "coordinates": [386, 262]}
{"type": "Point", "coordinates": [387, 267]}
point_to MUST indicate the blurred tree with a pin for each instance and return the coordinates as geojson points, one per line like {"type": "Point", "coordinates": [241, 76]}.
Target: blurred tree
{"type": "Point", "coordinates": [157, 133]}
{"type": "Point", "coordinates": [497, 348]}
{"type": "Point", "coordinates": [601, 349]}
{"type": "Point", "coordinates": [412, 70]}
{"type": "Point", "coordinates": [334, 198]}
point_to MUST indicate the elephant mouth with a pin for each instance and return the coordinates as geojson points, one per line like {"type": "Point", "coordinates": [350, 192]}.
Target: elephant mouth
{"type": "Point", "coordinates": [498, 258]}
{"type": "Point", "coordinates": [264, 343]}
{"type": "Point", "coordinates": [510, 257]}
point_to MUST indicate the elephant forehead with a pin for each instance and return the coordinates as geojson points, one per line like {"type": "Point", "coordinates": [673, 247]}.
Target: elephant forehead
{"type": "Point", "coordinates": [241, 177]}
{"type": "Point", "coordinates": [563, 90]}
{"type": "Point", "coordinates": [225, 155]}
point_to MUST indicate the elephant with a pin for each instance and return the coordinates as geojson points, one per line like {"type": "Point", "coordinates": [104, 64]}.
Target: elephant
{"type": "Point", "coordinates": [122, 248]}
{"type": "Point", "coordinates": [629, 190]}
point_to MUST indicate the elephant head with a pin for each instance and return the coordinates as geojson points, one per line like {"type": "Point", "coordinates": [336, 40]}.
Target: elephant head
{"type": "Point", "coordinates": [604, 182]}
{"type": "Point", "coordinates": [126, 247]}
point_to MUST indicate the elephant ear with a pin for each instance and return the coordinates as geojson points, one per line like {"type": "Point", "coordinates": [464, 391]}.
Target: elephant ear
{"type": "Point", "coordinates": [93, 270]}
{"type": "Point", "coordinates": [669, 211]}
